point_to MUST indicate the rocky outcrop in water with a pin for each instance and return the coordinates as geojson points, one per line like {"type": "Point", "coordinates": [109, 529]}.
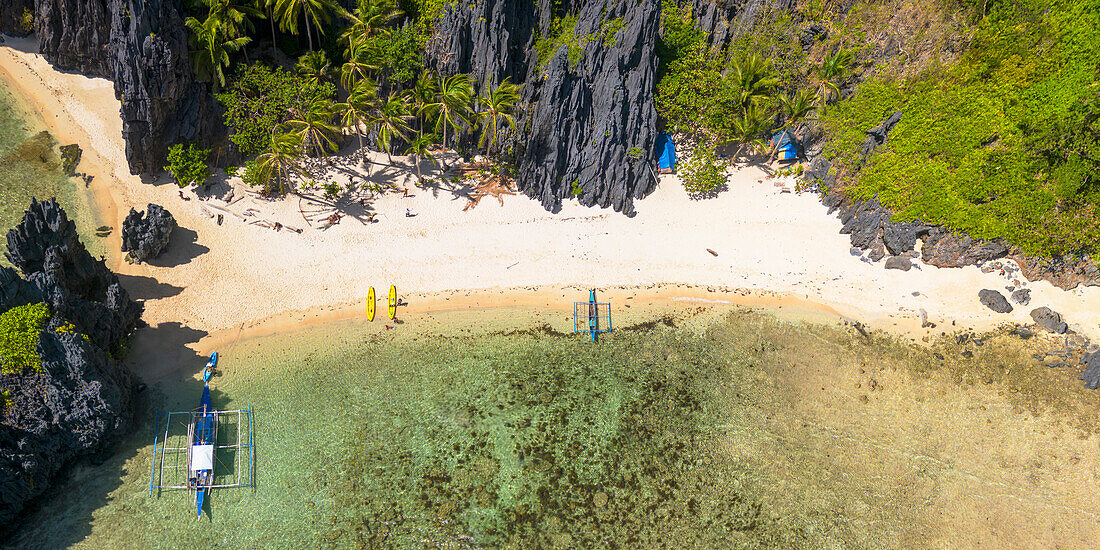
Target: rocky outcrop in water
{"type": "Point", "coordinates": [83, 398]}
{"type": "Point", "coordinates": [146, 234]}
{"type": "Point", "coordinates": [591, 124]}
{"type": "Point", "coordinates": [141, 45]}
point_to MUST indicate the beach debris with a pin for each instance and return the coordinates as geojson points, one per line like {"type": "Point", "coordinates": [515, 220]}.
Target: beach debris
{"type": "Point", "coordinates": [712, 253]}
{"type": "Point", "coordinates": [488, 181]}
{"type": "Point", "coordinates": [994, 300]}
{"type": "Point", "coordinates": [1049, 319]}
{"type": "Point", "coordinates": [183, 197]}
{"type": "Point", "coordinates": [103, 230]}
{"type": "Point", "coordinates": [899, 262]}
{"type": "Point", "coordinates": [1021, 296]}
{"type": "Point", "coordinates": [146, 234]}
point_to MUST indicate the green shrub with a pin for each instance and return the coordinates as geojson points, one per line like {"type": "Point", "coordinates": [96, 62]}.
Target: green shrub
{"type": "Point", "coordinates": [331, 189]}
{"type": "Point", "coordinates": [26, 22]}
{"type": "Point", "coordinates": [188, 165]}
{"type": "Point", "coordinates": [563, 32]}
{"type": "Point", "coordinates": [575, 188]}
{"type": "Point", "coordinates": [703, 174]}
{"type": "Point", "coordinates": [19, 330]}
{"type": "Point", "coordinates": [261, 98]}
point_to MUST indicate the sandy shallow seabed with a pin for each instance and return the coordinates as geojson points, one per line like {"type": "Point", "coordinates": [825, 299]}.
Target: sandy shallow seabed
{"type": "Point", "coordinates": [771, 246]}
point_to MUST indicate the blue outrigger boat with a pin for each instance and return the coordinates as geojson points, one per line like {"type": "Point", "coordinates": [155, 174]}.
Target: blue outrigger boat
{"type": "Point", "coordinates": [593, 312]}
{"type": "Point", "coordinates": [189, 453]}
{"type": "Point", "coordinates": [202, 450]}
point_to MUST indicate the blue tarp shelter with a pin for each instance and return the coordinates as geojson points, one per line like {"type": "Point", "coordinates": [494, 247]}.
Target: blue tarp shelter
{"type": "Point", "coordinates": [666, 154]}
{"type": "Point", "coordinates": [785, 145]}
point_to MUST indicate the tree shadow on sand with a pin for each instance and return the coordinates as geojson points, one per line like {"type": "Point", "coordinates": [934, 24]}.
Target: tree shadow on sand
{"type": "Point", "coordinates": [63, 516]}
{"type": "Point", "coordinates": [182, 248]}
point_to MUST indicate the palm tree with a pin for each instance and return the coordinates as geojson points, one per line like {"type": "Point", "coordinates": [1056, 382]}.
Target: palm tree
{"type": "Point", "coordinates": [420, 148]}
{"type": "Point", "coordinates": [213, 49]}
{"type": "Point", "coordinates": [753, 78]}
{"type": "Point", "coordinates": [391, 120]}
{"type": "Point", "coordinates": [362, 61]}
{"type": "Point", "coordinates": [288, 12]}
{"type": "Point", "coordinates": [369, 15]}
{"type": "Point", "coordinates": [314, 66]}
{"type": "Point", "coordinates": [451, 105]}
{"type": "Point", "coordinates": [748, 129]}
{"type": "Point", "coordinates": [355, 112]}
{"type": "Point", "coordinates": [234, 18]}
{"type": "Point", "coordinates": [830, 71]}
{"type": "Point", "coordinates": [496, 108]}
{"type": "Point", "coordinates": [796, 106]}
{"type": "Point", "coordinates": [314, 124]}
{"type": "Point", "coordinates": [280, 160]}
{"type": "Point", "coordinates": [421, 94]}
{"type": "Point", "coordinates": [268, 6]}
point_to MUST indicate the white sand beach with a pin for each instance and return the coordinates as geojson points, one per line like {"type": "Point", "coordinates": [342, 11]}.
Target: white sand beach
{"type": "Point", "coordinates": [770, 245]}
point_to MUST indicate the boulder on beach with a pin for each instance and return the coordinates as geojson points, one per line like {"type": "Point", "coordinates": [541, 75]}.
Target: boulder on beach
{"type": "Point", "coordinates": [899, 262]}
{"type": "Point", "coordinates": [994, 300]}
{"type": "Point", "coordinates": [1049, 319]}
{"type": "Point", "coordinates": [146, 234]}
{"type": "Point", "coordinates": [1021, 296]}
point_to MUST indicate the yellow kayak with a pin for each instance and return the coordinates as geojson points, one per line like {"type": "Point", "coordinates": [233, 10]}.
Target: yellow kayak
{"type": "Point", "coordinates": [370, 304]}
{"type": "Point", "coordinates": [393, 302]}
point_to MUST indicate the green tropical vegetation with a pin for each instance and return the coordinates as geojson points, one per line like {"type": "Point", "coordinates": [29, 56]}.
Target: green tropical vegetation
{"type": "Point", "coordinates": [20, 327]}
{"type": "Point", "coordinates": [1000, 133]}
{"type": "Point", "coordinates": [188, 165]}
{"type": "Point", "coordinates": [1004, 142]}
{"type": "Point", "coordinates": [725, 98]}
{"type": "Point", "coordinates": [361, 74]}
{"type": "Point", "coordinates": [703, 173]}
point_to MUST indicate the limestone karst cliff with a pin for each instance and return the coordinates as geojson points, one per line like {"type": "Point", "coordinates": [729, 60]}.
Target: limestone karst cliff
{"type": "Point", "coordinates": [141, 45]}
{"type": "Point", "coordinates": [590, 125]}
{"type": "Point", "coordinates": [82, 398]}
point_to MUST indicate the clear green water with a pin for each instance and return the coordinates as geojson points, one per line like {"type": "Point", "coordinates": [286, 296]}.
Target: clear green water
{"type": "Point", "coordinates": [740, 432]}
{"type": "Point", "coordinates": [30, 167]}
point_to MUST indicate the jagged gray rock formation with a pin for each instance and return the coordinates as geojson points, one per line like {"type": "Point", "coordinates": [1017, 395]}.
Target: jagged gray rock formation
{"type": "Point", "coordinates": [58, 270]}
{"type": "Point", "coordinates": [591, 124]}
{"type": "Point", "coordinates": [84, 398]}
{"type": "Point", "coordinates": [725, 21]}
{"type": "Point", "coordinates": [141, 45]}
{"type": "Point", "coordinates": [146, 234]}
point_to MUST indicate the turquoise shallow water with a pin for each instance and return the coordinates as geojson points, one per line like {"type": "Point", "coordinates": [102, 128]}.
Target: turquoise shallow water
{"type": "Point", "coordinates": [737, 431]}
{"type": "Point", "coordinates": [29, 167]}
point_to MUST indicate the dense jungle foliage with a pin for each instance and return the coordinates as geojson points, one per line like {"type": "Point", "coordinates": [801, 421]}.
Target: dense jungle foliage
{"type": "Point", "coordinates": [1003, 143]}
{"type": "Point", "coordinates": [1000, 134]}
{"type": "Point", "coordinates": [358, 72]}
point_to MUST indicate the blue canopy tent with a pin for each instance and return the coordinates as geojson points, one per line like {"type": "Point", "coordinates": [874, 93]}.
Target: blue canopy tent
{"type": "Point", "coordinates": [785, 145]}
{"type": "Point", "coordinates": [666, 154]}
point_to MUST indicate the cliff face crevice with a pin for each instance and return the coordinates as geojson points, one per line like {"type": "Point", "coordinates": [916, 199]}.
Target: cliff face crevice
{"type": "Point", "coordinates": [141, 45]}
{"type": "Point", "coordinates": [82, 399]}
{"type": "Point", "coordinates": [590, 122]}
